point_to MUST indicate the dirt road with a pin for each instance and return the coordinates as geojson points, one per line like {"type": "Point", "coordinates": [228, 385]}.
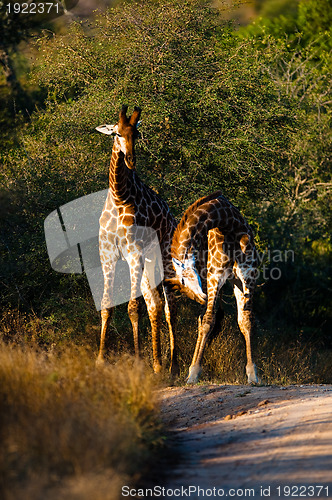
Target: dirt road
{"type": "Point", "coordinates": [242, 441]}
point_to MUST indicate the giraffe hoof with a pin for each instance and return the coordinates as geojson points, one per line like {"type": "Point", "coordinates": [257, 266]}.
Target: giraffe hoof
{"type": "Point", "coordinates": [100, 361]}
{"type": "Point", "coordinates": [194, 373]}
{"type": "Point", "coordinates": [252, 375]}
{"type": "Point", "coordinates": [157, 368]}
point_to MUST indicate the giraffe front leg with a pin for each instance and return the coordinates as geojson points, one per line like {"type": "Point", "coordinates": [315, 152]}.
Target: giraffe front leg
{"type": "Point", "coordinates": [195, 368]}
{"type": "Point", "coordinates": [245, 321]}
{"type": "Point", "coordinates": [205, 325]}
{"type": "Point", "coordinates": [204, 328]}
{"type": "Point", "coordinates": [105, 319]}
{"type": "Point", "coordinates": [170, 314]}
{"type": "Point", "coordinates": [106, 308]}
{"type": "Point", "coordinates": [135, 262]}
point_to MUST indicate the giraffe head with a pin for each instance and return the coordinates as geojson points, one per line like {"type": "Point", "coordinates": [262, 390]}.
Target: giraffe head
{"type": "Point", "coordinates": [187, 279]}
{"type": "Point", "coordinates": [126, 134]}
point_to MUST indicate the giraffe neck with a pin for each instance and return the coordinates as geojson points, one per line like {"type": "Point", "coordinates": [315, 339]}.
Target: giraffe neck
{"type": "Point", "coordinates": [198, 219]}
{"type": "Point", "coordinates": [193, 229]}
{"type": "Point", "coordinates": [184, 244]}
{"type": "Point", "coordinates": [119, 174]}
{"type": "Point", "coordinates": [211, 212]}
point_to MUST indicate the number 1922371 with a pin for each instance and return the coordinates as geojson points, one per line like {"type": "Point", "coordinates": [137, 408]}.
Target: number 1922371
{"type": "Point", "coordinates": [303, 491]}
{"type": "Point", "coordinates": [32, 8]}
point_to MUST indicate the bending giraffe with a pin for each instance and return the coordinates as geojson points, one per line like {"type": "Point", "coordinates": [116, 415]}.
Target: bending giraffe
{"type": "Point", "coordinates": [211, 244]}
{"type": "Point", "coordinates": [131, 204]}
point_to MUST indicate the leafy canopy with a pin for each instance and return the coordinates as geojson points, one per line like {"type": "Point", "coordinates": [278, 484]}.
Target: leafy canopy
{"type": "Point", "coordinates": [210, 114]}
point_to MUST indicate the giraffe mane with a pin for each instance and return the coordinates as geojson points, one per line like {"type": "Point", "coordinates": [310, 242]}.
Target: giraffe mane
{"type": "Point", "coordinates": [186, 216]}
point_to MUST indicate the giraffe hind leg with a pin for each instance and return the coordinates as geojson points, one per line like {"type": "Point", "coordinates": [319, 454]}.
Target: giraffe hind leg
{"type": "Point", "coordinates": [206, 325]}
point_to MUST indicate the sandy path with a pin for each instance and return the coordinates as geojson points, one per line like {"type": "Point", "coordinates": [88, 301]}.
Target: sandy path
{"type": "Point", "coordinates": [238, 438]}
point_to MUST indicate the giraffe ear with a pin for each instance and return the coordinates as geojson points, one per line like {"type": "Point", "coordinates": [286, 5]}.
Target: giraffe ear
{"type": "Point", "coordinates": [107, 129]}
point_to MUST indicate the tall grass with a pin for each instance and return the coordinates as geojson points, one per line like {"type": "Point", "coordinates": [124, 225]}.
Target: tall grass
{"type": "Point", "coordinates": [70, 430]}
{"type": "Point", "coordinates": [282, 354]}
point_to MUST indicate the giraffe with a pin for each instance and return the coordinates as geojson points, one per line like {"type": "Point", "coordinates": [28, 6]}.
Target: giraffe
{"type": "Point", "coordinates": [213, 243]}
{"type": "Point", "coordinates": [131, 204]}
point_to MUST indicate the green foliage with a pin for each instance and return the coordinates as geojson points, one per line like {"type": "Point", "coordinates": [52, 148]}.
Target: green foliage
{"type": "Point", "coordinates": [205, 116]}
{"type": "Point", "coordinates": [315, 20]}
{"type": "Point", "coordinates": [307, 22]}
{"type": "Point", "coordinates": [300, 65]}
{"type": "Point", "coordinates": [274, 8]}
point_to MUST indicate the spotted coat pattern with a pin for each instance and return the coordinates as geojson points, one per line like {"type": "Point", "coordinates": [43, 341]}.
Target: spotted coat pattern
{"type": "Point", "coordinates": [216, 238]}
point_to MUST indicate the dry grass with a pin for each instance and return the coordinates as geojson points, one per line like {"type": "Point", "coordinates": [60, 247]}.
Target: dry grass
{"type": "Point", "coordinates": [282, 356]}
{"type": "Point", "coordinates": [70, 430]}
{"type": "Point", "coordinates": [279, 360]}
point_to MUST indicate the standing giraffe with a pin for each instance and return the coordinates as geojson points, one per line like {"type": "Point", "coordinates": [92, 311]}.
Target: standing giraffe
{"type": "Point", "coordinates": [131, 204]}
{"type": "Point", "coordinates": [211, 244]}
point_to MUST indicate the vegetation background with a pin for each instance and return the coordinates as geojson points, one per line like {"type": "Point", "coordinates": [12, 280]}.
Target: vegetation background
{"type": "Point", "coordinates": [234, 97]}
